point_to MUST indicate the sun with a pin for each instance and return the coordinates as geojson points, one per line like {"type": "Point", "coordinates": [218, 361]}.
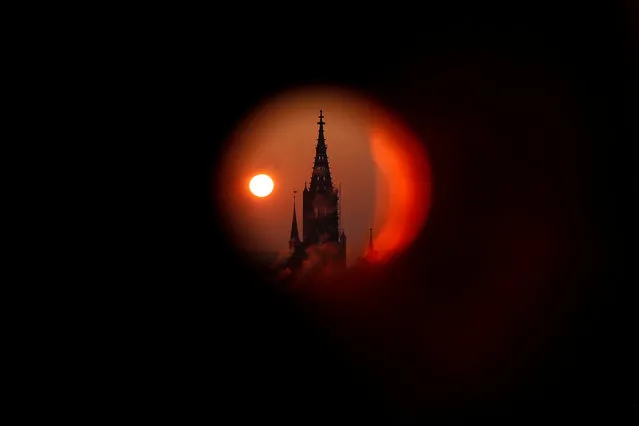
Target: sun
{"type": "Point", "coordinates": [261, 185]}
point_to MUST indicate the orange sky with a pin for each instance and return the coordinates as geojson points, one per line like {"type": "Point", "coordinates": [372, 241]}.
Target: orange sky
{"type": "Point", "coordinates": [279, 139]}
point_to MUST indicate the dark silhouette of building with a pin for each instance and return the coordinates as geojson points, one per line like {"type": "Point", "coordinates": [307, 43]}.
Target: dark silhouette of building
{"type": "Point", "coordinates": [296, 247]}
{"type": "Point", "coordinates": [294, 239]}
{"type": "Point", "coordinates": [320, 213]}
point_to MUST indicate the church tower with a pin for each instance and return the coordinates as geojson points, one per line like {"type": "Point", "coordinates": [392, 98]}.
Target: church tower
{"type": "Point", "coordinates": [320, 220]}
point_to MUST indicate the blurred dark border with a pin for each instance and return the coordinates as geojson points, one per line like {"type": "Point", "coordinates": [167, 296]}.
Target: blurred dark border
{"type": "Point", "coordinates": [206, 337]}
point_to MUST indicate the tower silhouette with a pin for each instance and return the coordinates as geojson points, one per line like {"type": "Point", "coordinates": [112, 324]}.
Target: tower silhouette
{"type": "Point", "coordinates": [320, 201]}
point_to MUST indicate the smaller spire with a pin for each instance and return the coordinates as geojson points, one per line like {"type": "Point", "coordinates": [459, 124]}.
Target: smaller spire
{"type": "Point", "coordinates": [295, 236]}
{"type": "Point", "coordinates": [371, 253]}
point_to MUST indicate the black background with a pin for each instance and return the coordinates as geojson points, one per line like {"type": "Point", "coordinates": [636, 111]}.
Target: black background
{"type": "Point", "coordinates": [530, 113]}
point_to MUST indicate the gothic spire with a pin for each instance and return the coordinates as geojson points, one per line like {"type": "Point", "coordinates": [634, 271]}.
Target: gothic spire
{"type": "Point", "coordinates": [321, 176]}
{"type": "Point", "coordinates": [295, 236]}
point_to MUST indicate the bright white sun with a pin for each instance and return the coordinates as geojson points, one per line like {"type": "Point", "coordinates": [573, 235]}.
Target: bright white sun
{"type": "Point", "coordinates": [261, 185]}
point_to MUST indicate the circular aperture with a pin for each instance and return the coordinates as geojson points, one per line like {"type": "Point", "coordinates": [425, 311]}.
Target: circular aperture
{"type": "Point", "coordinates": [365, 171]}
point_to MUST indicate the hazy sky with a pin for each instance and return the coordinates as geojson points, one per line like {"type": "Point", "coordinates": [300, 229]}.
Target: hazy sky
{"type": "Point", "coordinates": [279, 139]}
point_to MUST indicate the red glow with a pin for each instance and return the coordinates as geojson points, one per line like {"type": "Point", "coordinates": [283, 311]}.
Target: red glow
{"type": "Point", "coordinates": [403, 163]}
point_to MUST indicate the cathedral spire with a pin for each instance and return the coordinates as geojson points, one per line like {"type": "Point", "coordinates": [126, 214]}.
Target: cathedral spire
{"type": "Point", "coordinates": [295, 236]}
{"type": "Point", "coordinates": [321, 176]}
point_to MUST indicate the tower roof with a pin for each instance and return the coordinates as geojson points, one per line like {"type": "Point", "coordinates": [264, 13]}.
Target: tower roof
{"type": "Point", "coordinates": [321, 176]}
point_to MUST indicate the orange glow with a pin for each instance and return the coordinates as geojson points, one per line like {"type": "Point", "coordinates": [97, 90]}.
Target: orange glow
{"type": "Point", "coordinates": [379, 166]}
{"type": "Point", "coordinates": [261, 185]}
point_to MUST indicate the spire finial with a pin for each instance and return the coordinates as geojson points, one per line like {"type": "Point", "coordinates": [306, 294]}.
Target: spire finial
{"type": "Point", "coordinates": [321, 176]}
{"type": "Point", "coordinates": [370, 241]}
